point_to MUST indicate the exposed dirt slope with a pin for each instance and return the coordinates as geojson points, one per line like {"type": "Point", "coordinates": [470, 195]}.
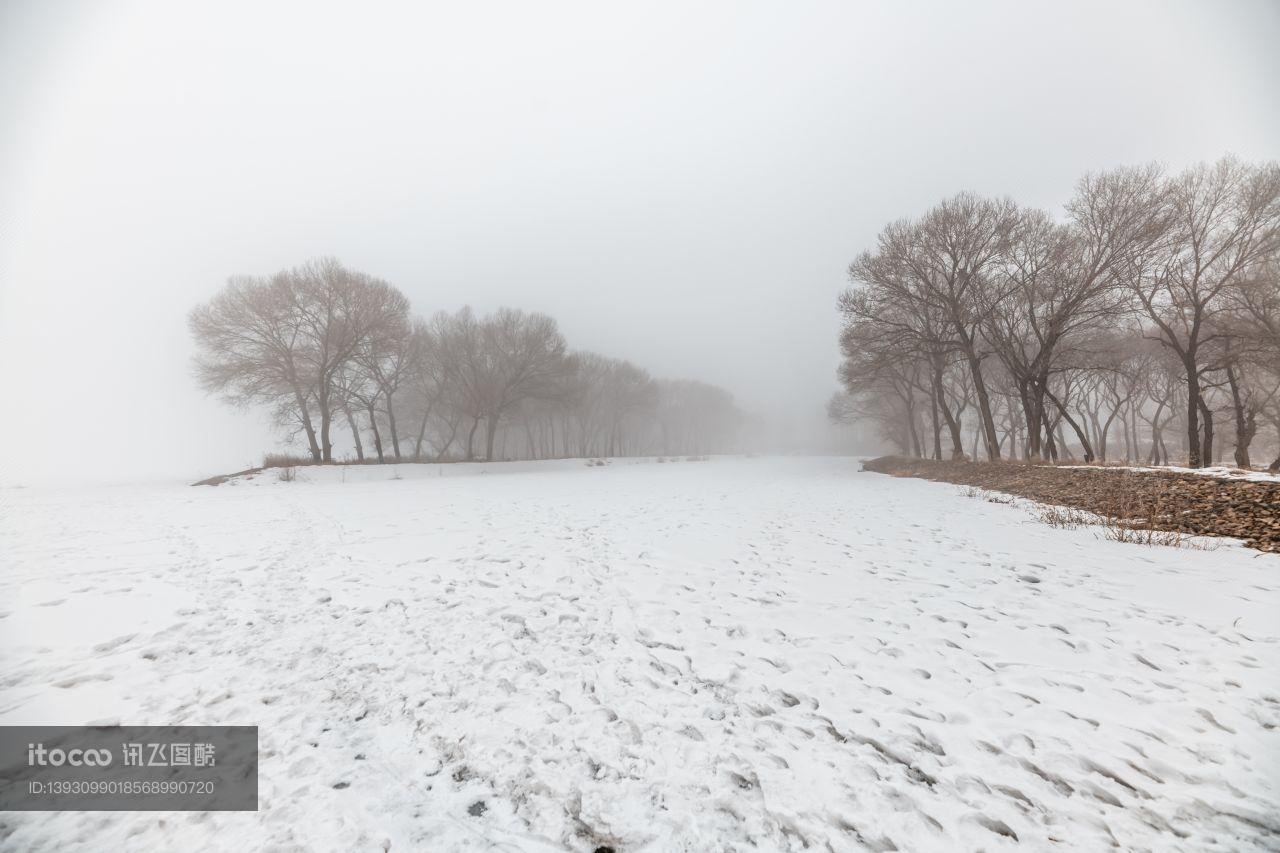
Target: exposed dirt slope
{"type": "Point", "coordinates": [1187, 503]}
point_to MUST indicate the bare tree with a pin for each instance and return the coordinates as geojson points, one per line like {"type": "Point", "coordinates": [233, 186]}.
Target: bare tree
{"type": "Point", "coordinates": [940, 266]}
{"type": "Point", "coordinates": [496, 364]}
{"type": "Point", "coordinates": [387, 356]}
{"type": "Point", "coordinates": [1187, 263]}
{"type": "Point", "coordinates": [292, 340]}
{"type": "Point", "coordinates": [1225, 221]}
{"type": "Point", "coordinates": [1057, 280]}
{"type": "Point", "coordinates": [251, 349]}
{"type": "Point", "coordinates": [523, 359]}
{"type": "Point", "coordinates": [695, 417]}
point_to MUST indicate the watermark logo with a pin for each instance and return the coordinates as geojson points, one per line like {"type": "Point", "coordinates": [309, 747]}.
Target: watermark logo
{"type": "Point", "coordinates": [39, 756]}
{"type": "Point", "coordinates": [128, 768]}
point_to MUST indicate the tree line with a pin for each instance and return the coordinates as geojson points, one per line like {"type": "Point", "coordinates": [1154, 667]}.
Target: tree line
{"type": "Point", "coordinates": [330, 349]}
{"type": "Point", "coordinates": [1142, 324]}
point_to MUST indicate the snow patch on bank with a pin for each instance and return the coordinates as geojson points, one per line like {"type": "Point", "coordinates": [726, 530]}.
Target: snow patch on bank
{"type": "Point", "coordinates": [1222, 472]}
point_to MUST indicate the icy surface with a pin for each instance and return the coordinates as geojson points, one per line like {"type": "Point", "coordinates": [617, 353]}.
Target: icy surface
{"type": "Point", "coordinates": [771, 654]}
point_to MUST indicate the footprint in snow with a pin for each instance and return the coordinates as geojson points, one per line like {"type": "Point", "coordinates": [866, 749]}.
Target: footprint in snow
{"type": "Point", "coordinates": [67, 683]}
{"type": "Point", "coordinates": [113, 644]}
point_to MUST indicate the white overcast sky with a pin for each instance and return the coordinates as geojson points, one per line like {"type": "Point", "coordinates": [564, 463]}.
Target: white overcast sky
{"type": "Point", "coordinates": [681, 184]}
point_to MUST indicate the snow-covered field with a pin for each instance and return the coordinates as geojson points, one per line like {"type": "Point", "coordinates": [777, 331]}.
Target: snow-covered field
{"type": "Point", "coordinates": [771, 654]}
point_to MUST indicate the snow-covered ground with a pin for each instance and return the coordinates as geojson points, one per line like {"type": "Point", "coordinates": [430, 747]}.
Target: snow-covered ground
{"type": "Point", "coordinates": [1221, 472]}
{"type": "Point", "coordinates": [769, 654]}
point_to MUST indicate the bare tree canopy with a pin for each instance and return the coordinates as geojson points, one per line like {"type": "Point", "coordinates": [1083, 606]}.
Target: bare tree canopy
{"type": "Point", "coordinates": [321, 344]}
{"type": "Point", "coordinates": [1153, 301]}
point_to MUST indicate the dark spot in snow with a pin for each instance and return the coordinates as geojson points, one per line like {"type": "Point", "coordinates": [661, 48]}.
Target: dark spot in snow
{"type": "Point", "coordinates": [603, 849]}
{"type": "Point", "coordinates": [477, 808]}
{"type": "Point", "coordinates": [1029, 578]}
{"type": "Point", "coordinates": [338, 786]}
{"type": "Point", "coordinates": [999, 827]}
{"type": "Point", "coordinates": [359, 756]}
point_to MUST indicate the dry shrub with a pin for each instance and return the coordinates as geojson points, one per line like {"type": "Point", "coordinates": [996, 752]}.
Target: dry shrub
{"type": "Point", "coordinates": [989, 497]}
{"type": "Point", "coordinates": [1065, 517]}
{"type": "Point", "coordinates": [1148, 512]}
{"type": "Point", "coordinates": [1119, 532]}
{"type": "Point", "coordinates": [285, 460]}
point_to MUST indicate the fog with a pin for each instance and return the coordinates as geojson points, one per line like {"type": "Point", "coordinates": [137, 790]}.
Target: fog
{"type": "Point", "coordinates": [679, 186]}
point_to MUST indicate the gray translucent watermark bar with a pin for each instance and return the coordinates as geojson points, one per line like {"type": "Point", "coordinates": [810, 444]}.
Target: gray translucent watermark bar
{"type": "Point", "coordinates": [128, 768]}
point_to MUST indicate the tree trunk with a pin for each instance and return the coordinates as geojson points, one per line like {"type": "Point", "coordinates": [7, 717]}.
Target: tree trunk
{"type": "Point", "coordinates": [1033, 410]}
{"type": "Point", "coordinates": [989, 438]}
{"type": "Point", "coordinates": [1274, 467]}
{"type": "Point", "coordinates": [1040, 425]}
{"type": "Point", "coordinates": [916, 448]}
{"type": "Point", "coordinates": [1246, 421]}
{"type": "Point", "coordinates": [1206, 441]}
{"type": "Point", "coordinates": [1137, 436]}
{"type": "Point", "coordinates": [1130, 449]}
{"type": "Point", "coordinates": [1195, 459]}
{"type": "Point", "coordinates": [1094, 427]}
{"type": "Point", "coordinates": [529, 443]}
{"type": "Point", "coordinates": [492, 430]}
{"type": "Point", "coordinates": [935, 423]}
{"type": "Point", "coordinates": [391, 425]}
{"type": "Point", "coordinates": [1065, 449]}
{"type": "Point", "coordinates": [304, 415]}
{"type": "Point", "coordinates": [471, 437]}
{"type": "Point", "coordinates": [355, 433]}
{"type": "Point", "coordinates": [1075, 427]}
{"type": "Point", "coordinates": [377, 438]}
{"type": "Point", "coordinates": [448, 442]}
{"type": "Point", "coordinates": [1102, 435]}
{"type": "Point", "coordinates": [326, 420]}
{"type": "Point", "coordinates": [422, 433]}
{"type": "Point", "coordinates": [953, 423]}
